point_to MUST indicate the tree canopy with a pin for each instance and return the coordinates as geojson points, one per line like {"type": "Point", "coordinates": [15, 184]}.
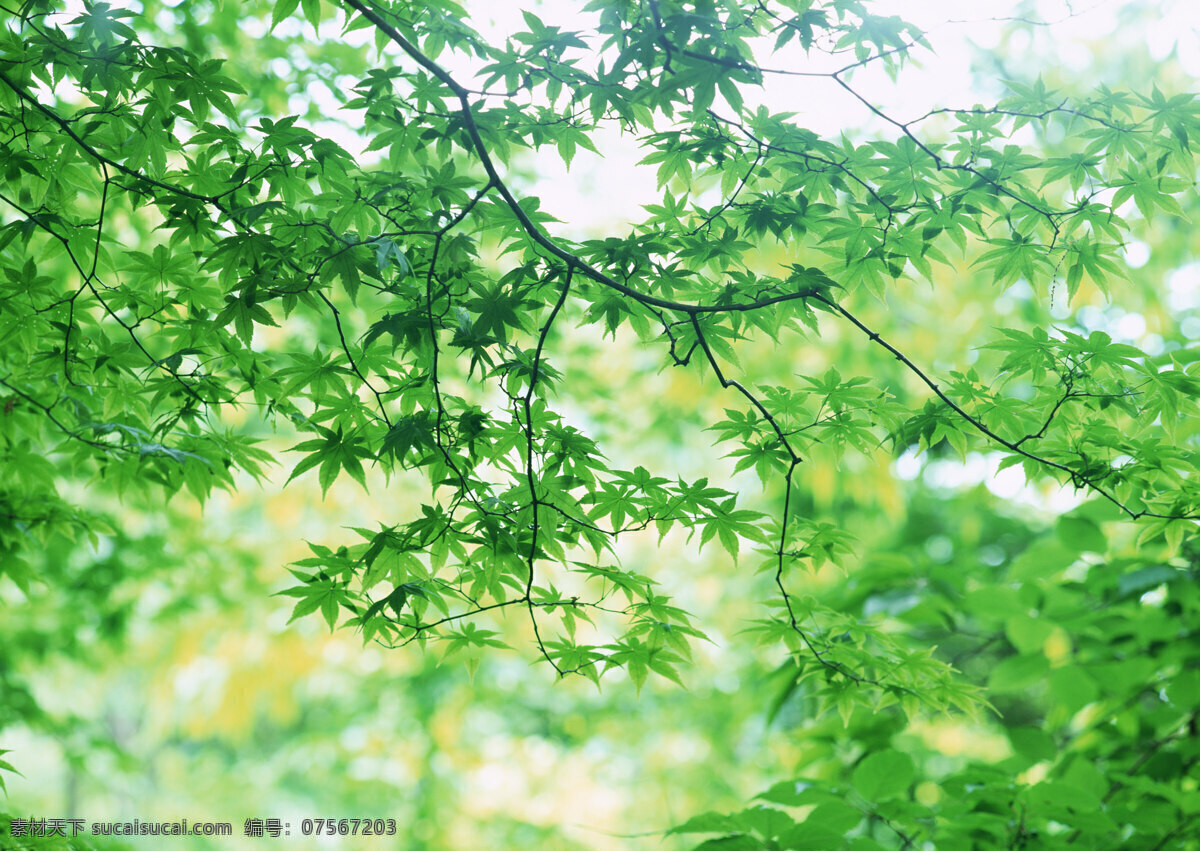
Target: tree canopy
{"type": "Point", "coordinates": [896, 424]}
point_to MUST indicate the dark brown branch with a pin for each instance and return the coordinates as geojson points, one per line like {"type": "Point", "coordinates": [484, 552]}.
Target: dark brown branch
{"type": "Point", "coordinates": [1076, 477]}
{"type": "Point", "coordinates": [535, 501]}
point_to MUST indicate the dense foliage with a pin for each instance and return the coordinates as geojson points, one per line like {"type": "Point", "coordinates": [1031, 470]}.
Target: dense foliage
{"type": "Point", "coordinates": [200, 259]}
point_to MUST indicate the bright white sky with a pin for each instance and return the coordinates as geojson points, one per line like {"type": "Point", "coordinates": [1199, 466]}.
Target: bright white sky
{"type": "Point", "coordinates": [611, 190]}
{"type": "Point", "coordinates": [608, 192]}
